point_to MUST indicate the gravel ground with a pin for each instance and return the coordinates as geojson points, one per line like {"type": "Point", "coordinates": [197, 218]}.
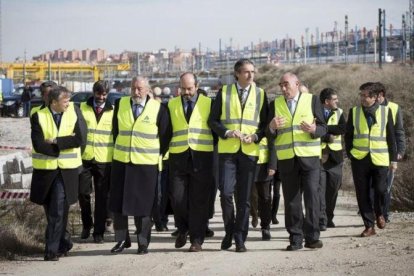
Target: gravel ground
{"type": "Point", "coordinates": [390, 252]}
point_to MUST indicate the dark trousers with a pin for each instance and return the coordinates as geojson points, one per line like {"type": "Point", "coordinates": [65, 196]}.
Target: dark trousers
{"type": "Point", "coordinates": [214, 187]}
{"type": "Point", "coordinates": [190, 194]}
{"type": "Point", "coordinates": [294, 184]}
{"type": "Point", "coordinates": [159, 213]}
{"type": "Point", "coordinates": [276, 194]}
{"type": "Point", "coordinates": [26, 108]}
{"type": "Point", "coordinates": [100, 172]}
{"type": "Point", "coordinates": [330, 183]}
{"type": "Point", "coordinates": [236, 177]}
{"type": "Point", "coordinates": [57, 209]}
{"type": "Point", "coordinates": [387, 198]}
{"type": "Point", "coordinates": [261, 202]}
{"type": "Point", "coordinates": [142, 224]}
{"type": "Point", "coordinates": [368, 176]}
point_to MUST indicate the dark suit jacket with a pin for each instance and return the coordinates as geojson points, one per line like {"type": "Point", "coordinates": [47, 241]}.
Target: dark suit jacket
{"type": "Point", "coordinates": [43, 179]}
{"type": "Point", "coordinates": [334, 157]}
{"type": "Point", "coordinates": [306, 163]}
{"type": "Point", "coordinates": [216, 125]}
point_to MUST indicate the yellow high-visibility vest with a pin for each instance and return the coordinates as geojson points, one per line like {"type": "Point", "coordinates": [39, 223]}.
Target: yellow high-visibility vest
{"type": "Point", "coordinates": [137, 140]}
{"type": "Point", "coordinates": [67, 159]}
{"type": "Point", "coordinates": [371, 141]}
{"type": "Point", "coordinates": [99, 142]}
{"type": "Point", "coordinates": [263, 152]}
{"type": "Point", "coordinates": [34, 110]}
{"type": "Point", "coordinates": [394, 109]}
{"type": "Point", "coordinates": [233, 118]}
{"type": "Point", "coordinates": [336, 145]}
{"type": "Point", "coordinates": [195, 134]}
{"type": "Point", "coordinates": [290, 139]}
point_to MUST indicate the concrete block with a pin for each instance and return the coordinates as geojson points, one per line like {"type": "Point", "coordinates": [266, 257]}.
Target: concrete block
{"type": "Point", "coordinates": [26, 180]}
{"type": "Point", "coordinates": [15, 181]}
{"type": "Point", "coordinates": [26, 165]}
{"type": "Point", "coordinates": [13, 166]}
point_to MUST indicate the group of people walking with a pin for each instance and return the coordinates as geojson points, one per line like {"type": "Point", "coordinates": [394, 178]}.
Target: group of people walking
{"type": "Point", "coordinates": [295, 140]}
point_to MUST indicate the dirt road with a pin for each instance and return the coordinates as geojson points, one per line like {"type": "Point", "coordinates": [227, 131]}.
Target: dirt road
{"type": "Point", "coordinates": [390, 252]}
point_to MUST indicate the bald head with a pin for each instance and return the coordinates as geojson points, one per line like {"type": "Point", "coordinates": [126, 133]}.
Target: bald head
{"type": "Point", "coordinates": [188, 85]}
{"type": "Point", "coordinates": [289, 84]}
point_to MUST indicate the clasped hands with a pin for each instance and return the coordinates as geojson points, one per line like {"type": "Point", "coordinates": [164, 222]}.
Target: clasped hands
{"type": "Point", "coordinates": [244, 138]}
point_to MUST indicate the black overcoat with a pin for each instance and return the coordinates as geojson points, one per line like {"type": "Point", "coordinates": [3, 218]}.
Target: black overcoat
{"type": "Point", "coordinates": [132, 189]}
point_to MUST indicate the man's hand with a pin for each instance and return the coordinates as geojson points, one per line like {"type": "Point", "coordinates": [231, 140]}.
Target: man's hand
{"type": "Point", "coordinates": [393, 166]}
{"type": "Point", "coordinates": [234, 134]}
{"type": "Point", "coordinates": [309, 128]}
{"type": "Point", "coordinates": [277, 122]}
{"type": "Point", "coordinates": [271, 172]}
{"type": "Point", "coordinates": [399, 157]}
{"type": "Point", "coordinates": [50, 141]}
{"type": "Point", "coordinates": [248, 139]}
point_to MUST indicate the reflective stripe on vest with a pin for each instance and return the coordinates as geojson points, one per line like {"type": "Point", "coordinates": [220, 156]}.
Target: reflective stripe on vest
{"type": "Point", "coordinates": [336, 145]}
{"type": "Point", "coordinates": [137, 140]}
{"type": "Point", "coordinates": [372, 141]}
{"type": "Point", "coordinates": [263, 152]}
{"type": "Point", "coordinates": [233, 118]}
{"type": "Point", "coordinates": [195, 134]}
{"type": "Point", "coordinates": [67, 159]}
{"type": "Point", "coordinates": [291, 140]}
{"type": "Point", "coordinates": [99, 144]}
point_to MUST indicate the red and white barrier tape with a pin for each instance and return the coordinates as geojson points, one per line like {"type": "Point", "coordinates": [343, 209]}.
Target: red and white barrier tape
{"type": "Point", "coordinates": [14, 195]}
{"type": "Point", "coordinates": [15, 148]}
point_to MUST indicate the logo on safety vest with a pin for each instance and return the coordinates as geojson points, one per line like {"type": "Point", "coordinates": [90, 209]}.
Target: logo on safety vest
{"type": "Point", "coordinates": [146, 120]}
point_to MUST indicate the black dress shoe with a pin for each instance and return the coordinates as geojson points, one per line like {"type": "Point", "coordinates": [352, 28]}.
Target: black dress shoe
{"type": "Point", "coordinates": [161, 228]}
{"type": "Point", "coordinates": [51, 257]}
{"type": "Point", "coordinates": [266, 235]}
{"type": "Point", "coordinates": [181, 240]}
{"type": "Point", "coordinates": [195, 247]}
{"type": "Point", "coordinates": [120, 246]}
{"type": "Point", "coordinates": [86, 232]}
{"type": "Point", "coordinates": [175, 233]}
{"type": "Point", "coordinates": [98, 238]}
{"type": "Point", "coordinates": [330, 224]}
{"type": "Point", "coordinates": [227, 242]}
{"type": "Point", "coordinates": [322, 227]}
{"type": "Point", "coordinates": [209, 233]}
{"type": "Point", "coordinates": [314, 244]}
{"type": "Point", "coordinates": [142, 250]}
{"type": "Point", "coordinates": [241, 248]}
{"type": "Point", "coordinates": [274, 220]}
{"type": "Point", "coordinates": [294, 247]}
{"type": "Point", "coordinates": [255, 222]}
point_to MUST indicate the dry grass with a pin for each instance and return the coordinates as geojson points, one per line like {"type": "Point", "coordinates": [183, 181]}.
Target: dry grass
{"type": "Point", "coordinates": [346, 79]}
{"type": "Point", "coordinates": [21, 230]}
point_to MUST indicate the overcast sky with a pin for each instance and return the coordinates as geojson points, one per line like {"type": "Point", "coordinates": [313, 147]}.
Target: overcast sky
{"type": "Point", "coordinates": [146, 25]}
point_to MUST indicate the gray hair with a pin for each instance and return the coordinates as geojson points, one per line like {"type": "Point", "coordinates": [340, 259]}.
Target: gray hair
{"type": "Point", "coordinates": [56, 92]}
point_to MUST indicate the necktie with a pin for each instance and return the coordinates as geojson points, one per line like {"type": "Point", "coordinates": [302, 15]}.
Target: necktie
{"type": "Point", "coordinates": [98, 110]}
{"type": "Point", "coordinates": [326, 114]}
{"type": "Point", "coordinates": [136, 110]}
{"type": "Point", "coordinates": [243, 96]}
{"type": "Point", "coordinates": [56, 118]}
{"type": "Point", "coordinates": [290, 105]}
{"type": "Point", "coordinates": [189, 110]}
